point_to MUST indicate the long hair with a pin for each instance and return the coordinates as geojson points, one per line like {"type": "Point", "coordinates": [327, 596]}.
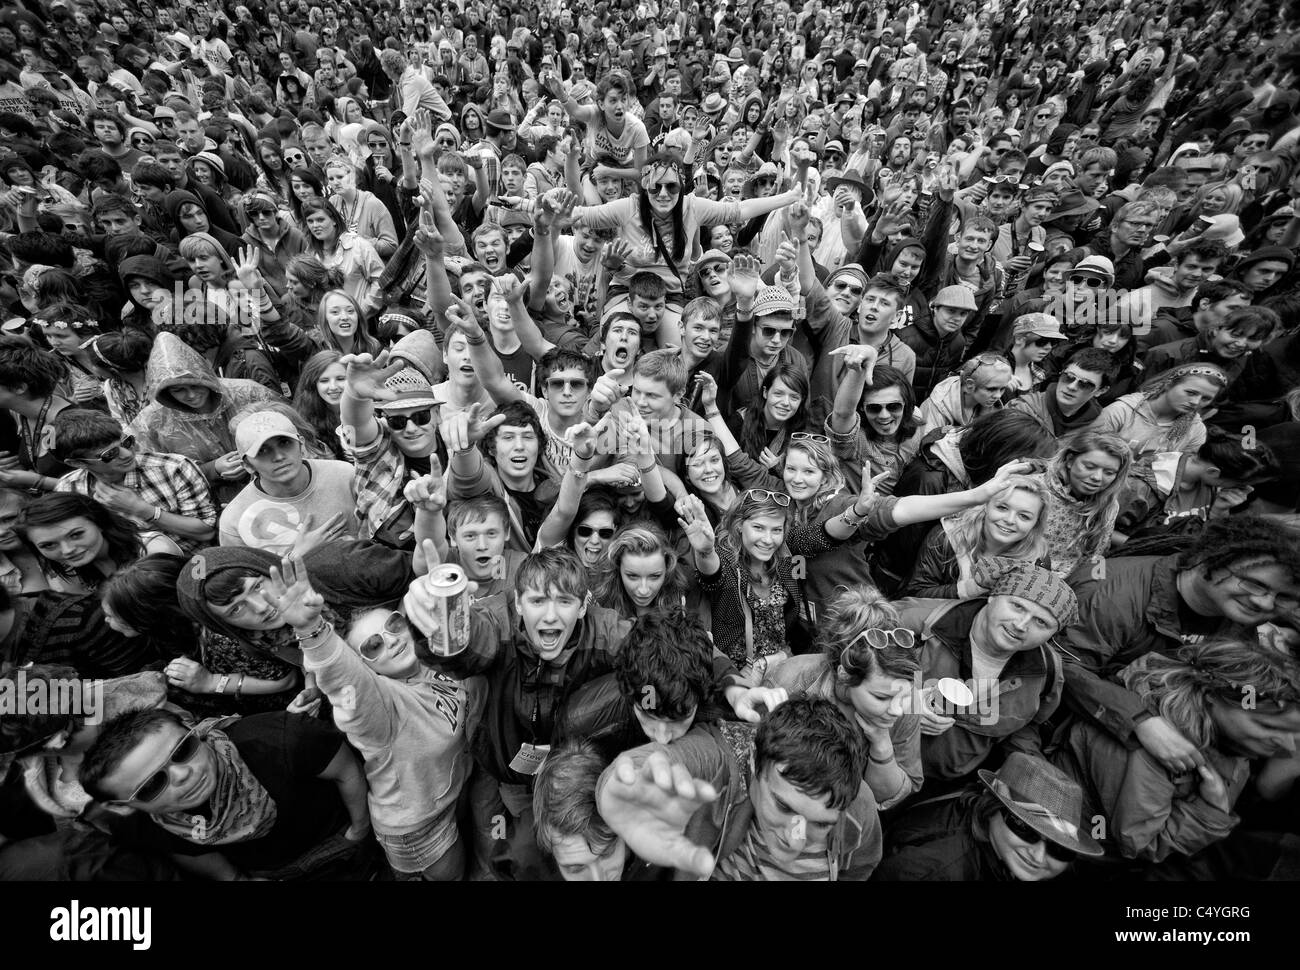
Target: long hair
{"type": "Point", "coordinates": [965, 530]}
{"type": "Point", "coordinates": [315, 276]}
{"type": "Point", "coordinates": [323, 419]}
{"type": "Point", "coordinates": [1233, 198]}
{"type": "Point", "coordinates": [639, 539]}
{"type": "Point", "coordinates": [1161, 383]}
{"type": "Point", "coordinates": [1219, 671]}
{"type": "Point", "coordinates": [703, 443]}
{"type": "Point", "coordinates": [295, 204]}
{"type": "Point", "coordinates": [646, 214]}
{"type": "Point", "coordinates": [123, 541]}
{"type": "Point", "coordinates": [753, 427]}
{"type": "Point", "coordinates": [312, 206]}
{"type": "Point", "coordinates": [366, 342]}
{"type": "Point", "coordinates": [748, 506]}
{"type": "Point", "coordinates": [1099, 508]}
{"type": "Point", "coordinates": [883, 378]}
{"type": "Point", "coordinates": [143, 595]}
{"type": "Point", "coordinates": [279, 181]}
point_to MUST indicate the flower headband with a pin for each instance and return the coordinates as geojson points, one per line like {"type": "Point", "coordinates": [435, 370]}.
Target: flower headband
{"type": "Point", "coordinates": [65, 324]}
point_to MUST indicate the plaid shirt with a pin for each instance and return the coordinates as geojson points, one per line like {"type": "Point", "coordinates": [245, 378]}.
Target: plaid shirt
{"type": "Point", "coordinates": [171, 482]}
{"type": "Point", "coordinates": [380, 477]}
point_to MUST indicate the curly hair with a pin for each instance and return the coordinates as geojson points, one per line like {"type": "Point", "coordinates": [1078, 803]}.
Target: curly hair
{"type": "Point", "coordinates": [1242, 539]}
{"type": "Point", "coordinates": [847, 615]}
{"type": "Point", "coordinates": [639, 539]}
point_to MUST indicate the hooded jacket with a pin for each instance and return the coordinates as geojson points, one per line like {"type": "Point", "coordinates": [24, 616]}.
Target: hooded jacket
{"type": "Point", "coordinates": [385, 190]}
{"type": "Point", "coordinates": [916, 306]}
{"type": "Point", "coordinates": [1043, 406]}
{"type": "Point", "coordinates": [525, 695]}
{"type": "Point", "coordinates": [167, 426]}
{"type": "Point", "coordinates": [936, 355]}
{"type": "Point", "coordinates": [177, 198]}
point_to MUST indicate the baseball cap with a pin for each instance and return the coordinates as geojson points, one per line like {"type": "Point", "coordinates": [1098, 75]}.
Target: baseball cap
{"type": "Point", "coordinates": [713, 256]}
{"type": "Point", "coordinates": [1097, 266]}
{"type": "Point", "coordinates": [1042, 325]}
{"type": "Point", "coordinates": [257, 429]}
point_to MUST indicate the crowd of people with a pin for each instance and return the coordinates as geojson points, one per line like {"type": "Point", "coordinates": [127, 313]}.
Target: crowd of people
{"type": "Point", "coordinates": [868, 436]}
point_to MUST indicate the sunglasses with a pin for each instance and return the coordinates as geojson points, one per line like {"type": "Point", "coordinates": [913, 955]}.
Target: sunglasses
{"type": "Point", "coordinates": [878, 639]}
{"type": "Point", "coordinates": [1026, 833]}
{"type": "Point", "coordinates": [672, 188]}
{"type": "Point", "coordinates": [587, 531]}
{"type": "Point", "coordinates": [821, 439]}
{"type": "Point", "coordinates": [1089, 281]}
{"type": "Point", "coordinates": [111, 453]}
{"type": "Point", "coordinates": [1069, 380]}
{"type": "Point", "coordinates": [398, 422]}
{"type": "Point", "coordinates": [395, 626]}
{"type": "Point", "coordinates": [153, 786]}
{"type": "Point", "coordinates": [895, 407]}
{"type": "Point", "coordinates": [559, 383]}
{"type": "Point", "coordinates": [763, 495]}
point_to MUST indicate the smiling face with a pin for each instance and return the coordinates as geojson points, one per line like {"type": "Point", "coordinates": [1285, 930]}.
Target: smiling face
{"type": "Point", "coordinates": [706, 469]}
{"type": "Point", "coordinates": [193, 396]}
{"type": "Point", "coordinates": [700, 334]}
{"type": "Point", "coordinates": [550, 617]}
{"type": "Point", "coordinates": [802, 476]}
{"type": "Point", "coordinates": [1011, 517]}
{"type": "Point", "coordinates": [664, 188]}
{"type": "Point", "coordinates": [331, 383]}
{"type": "Point", "coordinates": [1027, 861]}
{"type": "Point", "coordinates": [515, 449]}
{"type": "Point", "coordinates": [1248, 594]}
{"type": "Point", "coordinates": [189, 784]}
{"type": "Point", "coordinates": [761, 536]}
{"type": "Point", "coordinates": [340, 316]}
{"type": "Point", "coordinates": [72, 543]}
{"type": "Point", "coordinates": [884, 410]}
{"type": "Point", "coordinates": [385, 643]}
{"type": "Point", "coordinates": [1011, 624]}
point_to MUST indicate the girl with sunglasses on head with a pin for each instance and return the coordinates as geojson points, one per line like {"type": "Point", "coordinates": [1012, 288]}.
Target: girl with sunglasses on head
{"type": "Point", "coordinates": [1008, 526]}
{"type": "Point", "coordinates": [1156, 815]}
{"type": "Point", "coordinates": [140, 601]}
{"type": "Point", "coordinates": [866, 664]}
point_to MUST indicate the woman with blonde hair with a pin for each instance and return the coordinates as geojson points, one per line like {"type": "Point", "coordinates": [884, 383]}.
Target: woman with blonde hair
{"type": "Point", "coordinates": [341, 325]}
{"type": "Point", "coordinates": [1012, 525]}
{"type": "Point", "coordinates": [1154, 814]}
{"type": "Point", "coordinates": [868, 667]}
{"type": "Point", "coordinates": [1085, 482]}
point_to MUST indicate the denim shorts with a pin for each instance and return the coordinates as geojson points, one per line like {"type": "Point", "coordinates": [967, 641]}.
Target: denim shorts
{"type": "Point", "coordinates": [420, 848]}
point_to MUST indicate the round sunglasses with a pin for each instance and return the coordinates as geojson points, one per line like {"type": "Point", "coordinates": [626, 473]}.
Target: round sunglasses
{"type": "Point", "coordinates": [395, 626]}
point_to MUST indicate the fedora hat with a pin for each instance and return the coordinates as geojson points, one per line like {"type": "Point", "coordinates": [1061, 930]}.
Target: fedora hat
{"type": "Point", "coordinates": [1044, 798]}
{"type": "Point", "coordinates": [851, 177]}
{"type": "Point", "coordinates": [1073, 203]}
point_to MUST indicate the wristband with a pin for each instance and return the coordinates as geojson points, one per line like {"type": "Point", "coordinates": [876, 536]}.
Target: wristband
{"type": "Point", "coordinates": [475, 339]}
{"type": "Point", "coordinates": [881, 761]}
{"type": "Point", "coordinates": [321, 628]}
{"type": "Point", "coordinates": [648, 468]}
{"type": "Point", "coordinates": [221, 684]}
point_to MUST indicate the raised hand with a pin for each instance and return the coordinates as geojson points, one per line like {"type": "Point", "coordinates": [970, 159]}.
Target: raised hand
{"type": "Point", "coordinates": [509, 288]}
{"type": "Point", "coordinates": [617, 254]}
{"type": "Point", "coordinates": [289, 590]}
{"type": "Point", "coordinates": [694, 520]}
{"type": "Point", "coordinates": [861, 357]}
{"type": "Point", "coordinates": [606, 392]}
{"type": "Point", "coordinates": [708, 392]}
{"type": "Point", "coordinates": [461, 314]}
{"type": "Point", "coordinates": [867, 493]}
{"type": "Point", "coordinates": [650, 807]}
{"type": "Point", "coordinates": [246, 268]}
{"type": "Point", "coordinates": [463, 431]}
{"type": "Point", "coordinates": [744, 279]}
{"type": "Point", "coordinates": [798, 217]}
{"type": "Point", "coordinates": [428, 493]}
{"type": "Point", "coordinates": [787, 256]}
{"type": "Point", "coordinates": [1001, 480]}
{"type": "Point", "coordinates": [366, 375]}
{"type": "Point", "coordinates": [427, 237]}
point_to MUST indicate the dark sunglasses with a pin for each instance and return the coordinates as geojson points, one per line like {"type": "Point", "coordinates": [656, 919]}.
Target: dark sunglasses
{"type": "Point", "coordinates": [559, 383]}
{"type": "Point", "coordinates": [1091, 282]}
{"type": "Point", "coordinates": [895, 407]}
{"type": "Point", "coordinates": [763, 494]}
{"type": "Point", "coordinates": [111, 453]}
{"type": "Point", "coordinates": [1026, 833]}
{"type": "Point", "coordinates": [398, 422]}
{"type": "Point", "coordinates": [587, 531]}
{"type": "Point", "coordinates": [153, 786]}
{"type": "Point", "coordinates": [672, 188]}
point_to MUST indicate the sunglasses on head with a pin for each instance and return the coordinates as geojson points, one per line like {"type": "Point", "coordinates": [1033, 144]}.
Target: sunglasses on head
{"type": "Point", "coordinates": [821, 439]}
{"type": "Point", "coordinates": [587, 531]}
{"type": "Point", "coordinates": [894, 407]}
{"type": "Point", "coordinates": [398, 422]}
{"type": "Point", "coordinates": [764, 495]}
{"type": "Point", "coordinates": [1028, 834]}
{"type": "Point", "coordinates": [110, 453]}
{"type": "Point", "coordinates": [879, 639]}
{"type": "Point", "coordinates": [394, 626]}
{"type": "Point", "coordinates": [1091, 282]}
{"type": "Point", "coordinates": [153, 786]}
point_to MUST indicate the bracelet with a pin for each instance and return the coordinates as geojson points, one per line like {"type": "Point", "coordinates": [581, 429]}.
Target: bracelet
{"type": "Point", "coordinates": [239, 686]}
{"type": "Point", "coordinates": [221, 684]}
{"type": "Point", "coordinates": [881, 761]}
{"type": "Point", "coordinates": [321, 628]}
{"type": "Point", "coordinates": [475, 339]}
{"type": "Point", "coordinates": [648, 468]}
{"type": "Point", "coordinates": [157, 513]}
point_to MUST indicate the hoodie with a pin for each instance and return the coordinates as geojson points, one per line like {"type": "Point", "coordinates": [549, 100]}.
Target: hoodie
{"type": "Point", "coordinates": [916, 306]}
{"type": "Point", "coordinates": [1159, 294]}
{"type": "Point", "coordinates": [177, 198]}
{"type": "Point", "coordinates": [166, 425]}
{"type": "Point", "coordinates": [942, 409]}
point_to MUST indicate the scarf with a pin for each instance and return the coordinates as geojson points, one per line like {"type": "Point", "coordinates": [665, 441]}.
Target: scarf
{"type": "Point", "coordinates": [752, 861]}
{"type": "Point", "coordinates": [240, 808]}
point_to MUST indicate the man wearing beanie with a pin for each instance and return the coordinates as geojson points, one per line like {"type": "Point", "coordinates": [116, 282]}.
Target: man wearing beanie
{"type": "Point", "coordinates": [997, 644]}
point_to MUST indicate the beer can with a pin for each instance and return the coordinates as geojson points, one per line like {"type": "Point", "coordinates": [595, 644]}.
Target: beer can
{"type": "Point", "coordinates": [450, 588]}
